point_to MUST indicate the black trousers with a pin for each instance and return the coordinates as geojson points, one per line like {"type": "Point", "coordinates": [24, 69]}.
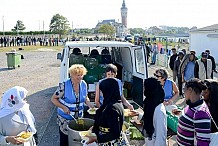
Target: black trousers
{"type": "Point", "coordinates": [180, 84]}
{"type": "Point", "coordinates": [212, 75]}
{"type": "Point", "coordinates": [63, 139]}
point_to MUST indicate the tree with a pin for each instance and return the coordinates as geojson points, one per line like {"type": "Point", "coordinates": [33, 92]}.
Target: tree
{"type": "Point", "coordinates": [107, 29]}
{"type": "Point", "coordinates": [59, 25]}
{"type": "Point", "coordinates": [19, 26]}
{"type": "Point", "coordinates": [137, 31]}
{"type": "Point", "coordinates": [83, 31]}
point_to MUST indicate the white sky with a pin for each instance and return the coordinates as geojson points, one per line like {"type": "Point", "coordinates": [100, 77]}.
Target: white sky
{"type": "Point", "coordinates": [86, 13]}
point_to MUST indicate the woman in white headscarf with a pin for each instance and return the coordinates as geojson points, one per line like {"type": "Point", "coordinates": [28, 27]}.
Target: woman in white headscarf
{"type": "Point", "coordinates": [15, 117]}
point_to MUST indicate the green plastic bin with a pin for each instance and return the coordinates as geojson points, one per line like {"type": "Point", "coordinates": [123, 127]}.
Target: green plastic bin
{"type": "Point", "coordinates": [13, 59]}
{"type": "Point", "coordinates": [172, 122]}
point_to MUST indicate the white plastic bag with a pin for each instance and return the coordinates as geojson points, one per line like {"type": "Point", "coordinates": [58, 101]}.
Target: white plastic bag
{"type": "Point", "coordinates": [214, 139]}
{"type": "Point", "coordinates": [91, 144]}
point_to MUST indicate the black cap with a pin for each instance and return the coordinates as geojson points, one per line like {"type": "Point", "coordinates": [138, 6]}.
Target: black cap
{"type": "Point", "coordinates": [204, 54]}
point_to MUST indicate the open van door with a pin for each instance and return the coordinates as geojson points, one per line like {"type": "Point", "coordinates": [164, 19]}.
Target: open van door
{"type": "Point", "coordinates": [130, 60]}
{"type": "Point", "coordinates": [140, 73]}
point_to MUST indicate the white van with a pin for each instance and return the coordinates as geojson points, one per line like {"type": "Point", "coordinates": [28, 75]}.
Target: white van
{"type": "Point", "coordinates": [95, 55]}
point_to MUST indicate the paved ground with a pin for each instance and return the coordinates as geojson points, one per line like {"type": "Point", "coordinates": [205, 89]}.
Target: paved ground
{"type": "Point", "coordinates": [39, 74]}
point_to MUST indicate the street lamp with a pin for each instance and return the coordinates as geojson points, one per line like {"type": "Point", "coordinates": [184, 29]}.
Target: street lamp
{"type": "Point", "coordinates": [39, 25]}
{"type": "Point", "coordinates": [3, 25]}
{"type": "Point", "coordinates": [44, 28]}
{"type": "Point", "coordinates": [17, 29]}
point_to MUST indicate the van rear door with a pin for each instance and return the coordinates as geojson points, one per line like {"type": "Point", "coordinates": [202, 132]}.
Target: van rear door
{"type": "Point", "coordinates": [140, 73]}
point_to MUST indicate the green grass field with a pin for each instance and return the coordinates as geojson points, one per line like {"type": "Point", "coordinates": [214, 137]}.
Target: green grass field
{"type": "Point", "coordinates": [30, 48]}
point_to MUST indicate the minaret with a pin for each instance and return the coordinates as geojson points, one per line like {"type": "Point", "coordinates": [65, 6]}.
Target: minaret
{"type": "Point", "coordinates": [124, 14]}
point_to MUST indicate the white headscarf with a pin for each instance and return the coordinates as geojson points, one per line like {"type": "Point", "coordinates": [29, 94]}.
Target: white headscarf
{"type": "Point", "coordinates": [13, 101]}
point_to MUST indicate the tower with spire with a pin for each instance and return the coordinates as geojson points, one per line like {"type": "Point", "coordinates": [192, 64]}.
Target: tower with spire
{"type": "Point", "coordinates": [124, 14]}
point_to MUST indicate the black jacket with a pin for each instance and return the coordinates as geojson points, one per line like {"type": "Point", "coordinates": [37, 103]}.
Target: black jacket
{"type": "Point", "coordinates": [213, 62]}
{"type": "Point", "coordinates": [172, 60]}
{"type": "Point", "coordinates": [108, 123]}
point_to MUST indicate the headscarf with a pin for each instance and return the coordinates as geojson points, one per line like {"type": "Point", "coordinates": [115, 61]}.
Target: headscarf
{"type": "Point", "coordinates": [110, 90]}
{"type": "Point", "coordinates": [13, 101]}
{"type": "Point", "coordinates": [154, 93]}
{"type": "Point", "coordinates": [112, 100]}
{"type": "Point", "coordinates": [212, 86]}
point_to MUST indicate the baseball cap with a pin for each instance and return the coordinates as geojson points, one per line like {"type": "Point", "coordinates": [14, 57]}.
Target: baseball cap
{"type": "Point", "coordinates": [207, 51]}
{"type": "Point", "coordinates": [192, 51]}
{"type": "Point", "coordinates": [180, 53]}
{"type": "Point", "coordinates": [204, 54]}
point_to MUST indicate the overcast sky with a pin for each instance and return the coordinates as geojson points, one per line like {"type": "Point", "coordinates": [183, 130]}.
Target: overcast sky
{"type": "Point", "coordinates": [86, 13]}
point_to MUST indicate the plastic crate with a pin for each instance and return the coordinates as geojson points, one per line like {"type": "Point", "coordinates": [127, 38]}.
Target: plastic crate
{"type": "Point", "coordinates": [90, 62]}
{"type": "Point", "coordinates": [91, 79]}
{"type": "Point", "coordinates": [76, 59]}
{"type": "Point", "coordinates": [172, 122]}
{"type": "Point", "coordinates": [101, 72]}
{"type": "Point", "coordinates": [92, 76]}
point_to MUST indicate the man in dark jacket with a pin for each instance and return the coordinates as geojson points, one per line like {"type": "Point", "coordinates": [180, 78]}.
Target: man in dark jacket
{"type": "Point", "coordinates": [213, 62]}
{"type": "Point", "coordinates": [176, 69]}
{"type": "Point", "coordinates": [172, 60]}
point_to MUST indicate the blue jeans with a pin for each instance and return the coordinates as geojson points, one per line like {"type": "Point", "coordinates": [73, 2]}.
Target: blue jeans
{"type": "Point", "coordinates": [154, 56]}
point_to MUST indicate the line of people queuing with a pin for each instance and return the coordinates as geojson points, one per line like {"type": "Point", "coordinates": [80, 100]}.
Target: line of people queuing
{"type": "Point", "coordinates": [12, 41]}
{"type": "Point", "coordinates": [186, 66]}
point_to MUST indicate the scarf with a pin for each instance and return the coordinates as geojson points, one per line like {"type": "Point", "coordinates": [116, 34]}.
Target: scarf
{"type": "Point", "coordinates": [154, 93]}
{"type": "Point", "coordinates": [13, 101]}
{"type": "Point", "coordinates": [112, 99]}
{"type": "Point", "coordinates": [110, 90]}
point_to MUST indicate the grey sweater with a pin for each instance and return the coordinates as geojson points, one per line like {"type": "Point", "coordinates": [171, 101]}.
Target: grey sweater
{"type": "Point", "coordinates": [12, 125]}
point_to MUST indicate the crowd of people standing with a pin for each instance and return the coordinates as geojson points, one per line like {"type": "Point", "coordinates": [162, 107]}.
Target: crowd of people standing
{"type": "Point", "coordinates": [193, 81]}
{"type": "Point", "coordinates": [12, 41]}
{"type": "Point", "coordinates": [186, 66]}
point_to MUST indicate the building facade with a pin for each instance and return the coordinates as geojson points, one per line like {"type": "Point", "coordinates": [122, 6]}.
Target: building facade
{"type": "Point", "coordinates": [205, 38]}
{"type": "Point", "coordinates": [120, 28]}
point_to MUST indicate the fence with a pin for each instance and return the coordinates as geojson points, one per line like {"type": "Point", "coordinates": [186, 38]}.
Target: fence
{"type": "Point", "coordinates": [162, 60]}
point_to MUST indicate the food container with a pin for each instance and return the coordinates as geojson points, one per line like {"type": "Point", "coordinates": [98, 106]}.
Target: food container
{"type": "Point", "coordinates": [24, 136]}
{"type": "Point", "coordinates": [125, 126]}
{"type": "Point", "coordinates": [126, 112]}
{"type": "Point", "coordinates": [92, 111]}
{"type": "Point", "coordinates": [74, 128]}
{"type": "Point", "coordinates": [84, 135]}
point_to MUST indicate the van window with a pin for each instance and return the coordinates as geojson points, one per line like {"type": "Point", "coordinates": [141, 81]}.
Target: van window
{"type": "Point", "coordinates": [139, 62]}
{"type": "Point", "coordinates": [117, 55]}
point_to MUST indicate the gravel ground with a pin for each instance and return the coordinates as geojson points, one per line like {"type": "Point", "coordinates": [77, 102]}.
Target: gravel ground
{"type": "Point", "coordinates": [39, 70]}
{"type": "Point", "coordinates": [39, 74]}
